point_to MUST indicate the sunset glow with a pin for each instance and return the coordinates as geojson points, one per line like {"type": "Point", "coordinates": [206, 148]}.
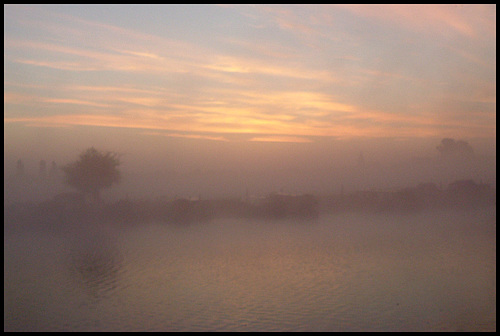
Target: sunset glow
{"type": "Point", "coordinates": [250, 167]}
{"type": "Point", "coordinates": [373, 71]}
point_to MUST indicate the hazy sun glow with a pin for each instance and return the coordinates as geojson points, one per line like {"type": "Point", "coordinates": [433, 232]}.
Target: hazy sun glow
{"type": "Point", "coordinates": [238, 166]}
{"type": "Point", "coordinates": [375, 71]}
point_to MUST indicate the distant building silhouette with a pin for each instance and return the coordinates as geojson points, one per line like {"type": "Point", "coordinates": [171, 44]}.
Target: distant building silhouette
{"type": "Point", "coordinates": [42, 172]}
{"type": "Point", "coordinates": [53, 170]}
{"type": "Point", "coordinates": [20, 168]}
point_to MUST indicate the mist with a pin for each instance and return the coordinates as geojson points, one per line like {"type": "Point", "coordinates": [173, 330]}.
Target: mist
{"type": "Point", "coordinates": [209, 235]}
{"type": "Point", "coordinates": [250, 168]}
{"type": "Point", "coordinates": [352, 271]}
{"type": "Point", "coordinates": [162, 166]}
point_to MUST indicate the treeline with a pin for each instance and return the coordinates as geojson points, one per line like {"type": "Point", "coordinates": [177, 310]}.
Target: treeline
{"type": "Point", "coordinates": [459, 194]}
{"type": "Point", "coordinates": [72, 208]}
{"type": "Point", "coordinates": [184, 211]}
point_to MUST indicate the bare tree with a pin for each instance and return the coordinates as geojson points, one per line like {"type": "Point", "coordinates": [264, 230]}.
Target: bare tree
{"type": "Point", "coordinates": [92, 172]}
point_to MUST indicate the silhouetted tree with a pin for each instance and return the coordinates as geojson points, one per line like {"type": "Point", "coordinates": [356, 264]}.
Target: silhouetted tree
{"type": "Point", "coordinates": [92, 172]}
{"type": "Point", "coordinates": [451, 148]}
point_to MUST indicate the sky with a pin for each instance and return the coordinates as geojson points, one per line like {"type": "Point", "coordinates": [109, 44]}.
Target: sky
{"type": "Point", "coordinates": [189, 79]}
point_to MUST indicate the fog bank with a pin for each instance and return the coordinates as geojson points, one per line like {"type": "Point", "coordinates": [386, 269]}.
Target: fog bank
{"type": "Point", "coordinates": [161, 166]}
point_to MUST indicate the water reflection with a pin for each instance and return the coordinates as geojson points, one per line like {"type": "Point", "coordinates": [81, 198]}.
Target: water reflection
{"type": "Point", "coordinates": [345, 273]}
{"type": "Point", "coordinates": [96, 264]}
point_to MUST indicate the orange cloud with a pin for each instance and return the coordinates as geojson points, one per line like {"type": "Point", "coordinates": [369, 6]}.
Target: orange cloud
{"type": "Point", "coordinates": [72, 101]}
{"type": "Point", "coordinates": [14, 98]}
{"type": "Point", "coordinates": [278, 138]}
{"type": "Point", "coordinates": [281, 91]}
{"type": "Point", "coordinates": [188, 136]}
{"type": "Point", "coordinates": [365, 124]}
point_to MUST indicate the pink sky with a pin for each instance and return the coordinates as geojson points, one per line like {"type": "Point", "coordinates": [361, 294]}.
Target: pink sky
{"type": "Point", "coordinates": [149, 79]}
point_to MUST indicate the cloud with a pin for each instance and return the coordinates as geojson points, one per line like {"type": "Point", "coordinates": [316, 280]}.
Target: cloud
{"type": "Point", "coordinates": [287, 18]}
{"type": "Point", "coordinates": [188, 136]}
{"type": "Point", "coordinates": [280, 83]}
{"type": "Point", "coordinates": [71, 101]}
{"type": "Point", "coordinates": [80, 59]}
{"type": "Point", "coordinates": [231, 111]}
{"type": "Point", "coordinates": [430, 19]}
{"type": "Point", "coordinates": [282, 138]}
{"type": "Point", "coordinates": [14, 98]}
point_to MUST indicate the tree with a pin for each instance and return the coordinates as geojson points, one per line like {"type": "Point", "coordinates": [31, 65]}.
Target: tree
{"type": "Point", "coordinates": [451, 148]}
{"type": "Point", "coordinates": [92, 172]}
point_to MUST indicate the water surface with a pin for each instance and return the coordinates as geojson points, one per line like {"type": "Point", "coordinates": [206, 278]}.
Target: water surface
{"type": "Point", "coordinates": [342, 272]}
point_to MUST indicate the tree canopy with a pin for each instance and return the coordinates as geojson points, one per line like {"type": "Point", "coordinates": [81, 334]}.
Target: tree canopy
{"type": "Point", "coordinates": [93, 171]}
{"type": "Point", "coordinates": [451, 148]}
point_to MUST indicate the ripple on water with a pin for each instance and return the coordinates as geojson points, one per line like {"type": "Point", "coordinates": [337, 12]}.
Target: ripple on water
{"type": "Point", "coordinates": [345, 273]}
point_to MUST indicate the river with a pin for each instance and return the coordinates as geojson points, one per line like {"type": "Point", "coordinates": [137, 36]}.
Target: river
{"type": "Point", "coordinates": [429, 271]}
